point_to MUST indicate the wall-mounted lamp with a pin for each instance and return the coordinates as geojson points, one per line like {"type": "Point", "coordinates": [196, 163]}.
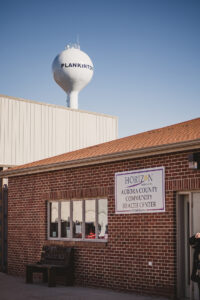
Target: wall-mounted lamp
{"type": "Point", "coordinates": [194, 161]}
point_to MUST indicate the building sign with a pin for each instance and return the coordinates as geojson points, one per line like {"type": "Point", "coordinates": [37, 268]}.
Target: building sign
{"type": "Point", "coordinates": [140, 191]}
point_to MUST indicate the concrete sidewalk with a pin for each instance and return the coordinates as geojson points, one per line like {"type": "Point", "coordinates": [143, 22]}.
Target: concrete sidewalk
{"type": "Point", "coordinates": [15, 288]}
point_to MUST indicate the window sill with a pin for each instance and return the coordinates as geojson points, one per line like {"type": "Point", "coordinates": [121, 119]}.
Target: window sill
{"type": "Point", "coordinates": [79, 242]}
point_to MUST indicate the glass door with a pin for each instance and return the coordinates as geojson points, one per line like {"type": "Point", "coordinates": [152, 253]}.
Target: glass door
{"type": "Point", "coordinates": [188, 223]}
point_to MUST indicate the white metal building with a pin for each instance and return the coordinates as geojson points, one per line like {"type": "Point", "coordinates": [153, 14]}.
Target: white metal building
{"type": "Point", "coordinates": [30, 130]}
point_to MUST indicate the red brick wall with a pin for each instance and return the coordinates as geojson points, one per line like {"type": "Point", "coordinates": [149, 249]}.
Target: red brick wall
{"type": "Point", "coordinates": [134, 239]}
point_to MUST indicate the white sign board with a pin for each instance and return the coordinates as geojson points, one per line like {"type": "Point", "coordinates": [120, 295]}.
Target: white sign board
{"type": "Point", "coordinates": [140, 191]}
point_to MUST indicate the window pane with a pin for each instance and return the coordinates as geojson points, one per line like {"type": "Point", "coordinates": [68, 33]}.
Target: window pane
{"type": "Point", "coordinates": [54, 219]}
{"type": "Point", "coordinates": [65, 219]}
{"type": "Point", "coordinates": [103, 218]}
{"type": "Point", "coordinates": [90, 219]}
{"type": "Point", "coordinates": [77, 219]}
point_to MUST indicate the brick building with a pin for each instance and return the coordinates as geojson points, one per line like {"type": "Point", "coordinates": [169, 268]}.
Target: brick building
{"type": "Point", "coordinates": [30, 131]}
{"type": "Point", "coordinates": [131, 237]}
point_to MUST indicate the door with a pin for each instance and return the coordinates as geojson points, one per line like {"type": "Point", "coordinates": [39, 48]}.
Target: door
{"type": "Point", "coordinates": [188, 223]}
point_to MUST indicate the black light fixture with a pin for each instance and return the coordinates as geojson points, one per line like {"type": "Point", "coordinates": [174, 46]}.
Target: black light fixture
{"type": "Point", "coordinates": [194, 160]}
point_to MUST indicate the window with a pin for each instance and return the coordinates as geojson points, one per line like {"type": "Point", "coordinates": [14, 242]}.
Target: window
{"type": "Point", "coordinates": [78, 219]}
{"type": "Point", "coordinates": [54, 219]}
{"type": "Point", "coordinates": [65, 219]}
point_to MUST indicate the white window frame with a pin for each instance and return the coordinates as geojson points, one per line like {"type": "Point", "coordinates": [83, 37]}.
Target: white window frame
{"type": "Point", "coordinates": [59, 238]}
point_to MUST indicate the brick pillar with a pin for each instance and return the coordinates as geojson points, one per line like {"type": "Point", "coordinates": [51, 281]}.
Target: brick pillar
{"type": "Point", "coordinates": [4, 227]}
{"type": "Point", "coordinates": [1, 223]}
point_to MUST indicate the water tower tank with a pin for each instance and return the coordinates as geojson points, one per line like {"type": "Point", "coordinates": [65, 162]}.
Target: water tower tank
{"type": "Point", "coordinates": [72, 71]}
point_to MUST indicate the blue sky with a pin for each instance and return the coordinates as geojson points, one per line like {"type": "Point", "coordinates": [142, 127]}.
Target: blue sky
{"type": "Point", "coordinates": [146, 55]}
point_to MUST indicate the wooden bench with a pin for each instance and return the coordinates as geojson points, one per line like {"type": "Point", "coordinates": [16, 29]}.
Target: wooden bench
{"type": "Point", "coordinates": [54, 260]}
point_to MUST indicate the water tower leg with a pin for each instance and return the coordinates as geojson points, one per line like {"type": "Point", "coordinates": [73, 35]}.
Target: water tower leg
{"type": "Point", "coordinates": [72, 100]}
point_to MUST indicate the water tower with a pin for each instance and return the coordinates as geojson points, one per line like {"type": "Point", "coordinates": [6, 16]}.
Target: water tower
{"type": "Point", "coordinates": [72, 71]}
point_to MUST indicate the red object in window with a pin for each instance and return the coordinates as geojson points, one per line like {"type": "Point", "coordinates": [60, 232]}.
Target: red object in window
{"type": "Point", "coordinates": [91, 236]}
